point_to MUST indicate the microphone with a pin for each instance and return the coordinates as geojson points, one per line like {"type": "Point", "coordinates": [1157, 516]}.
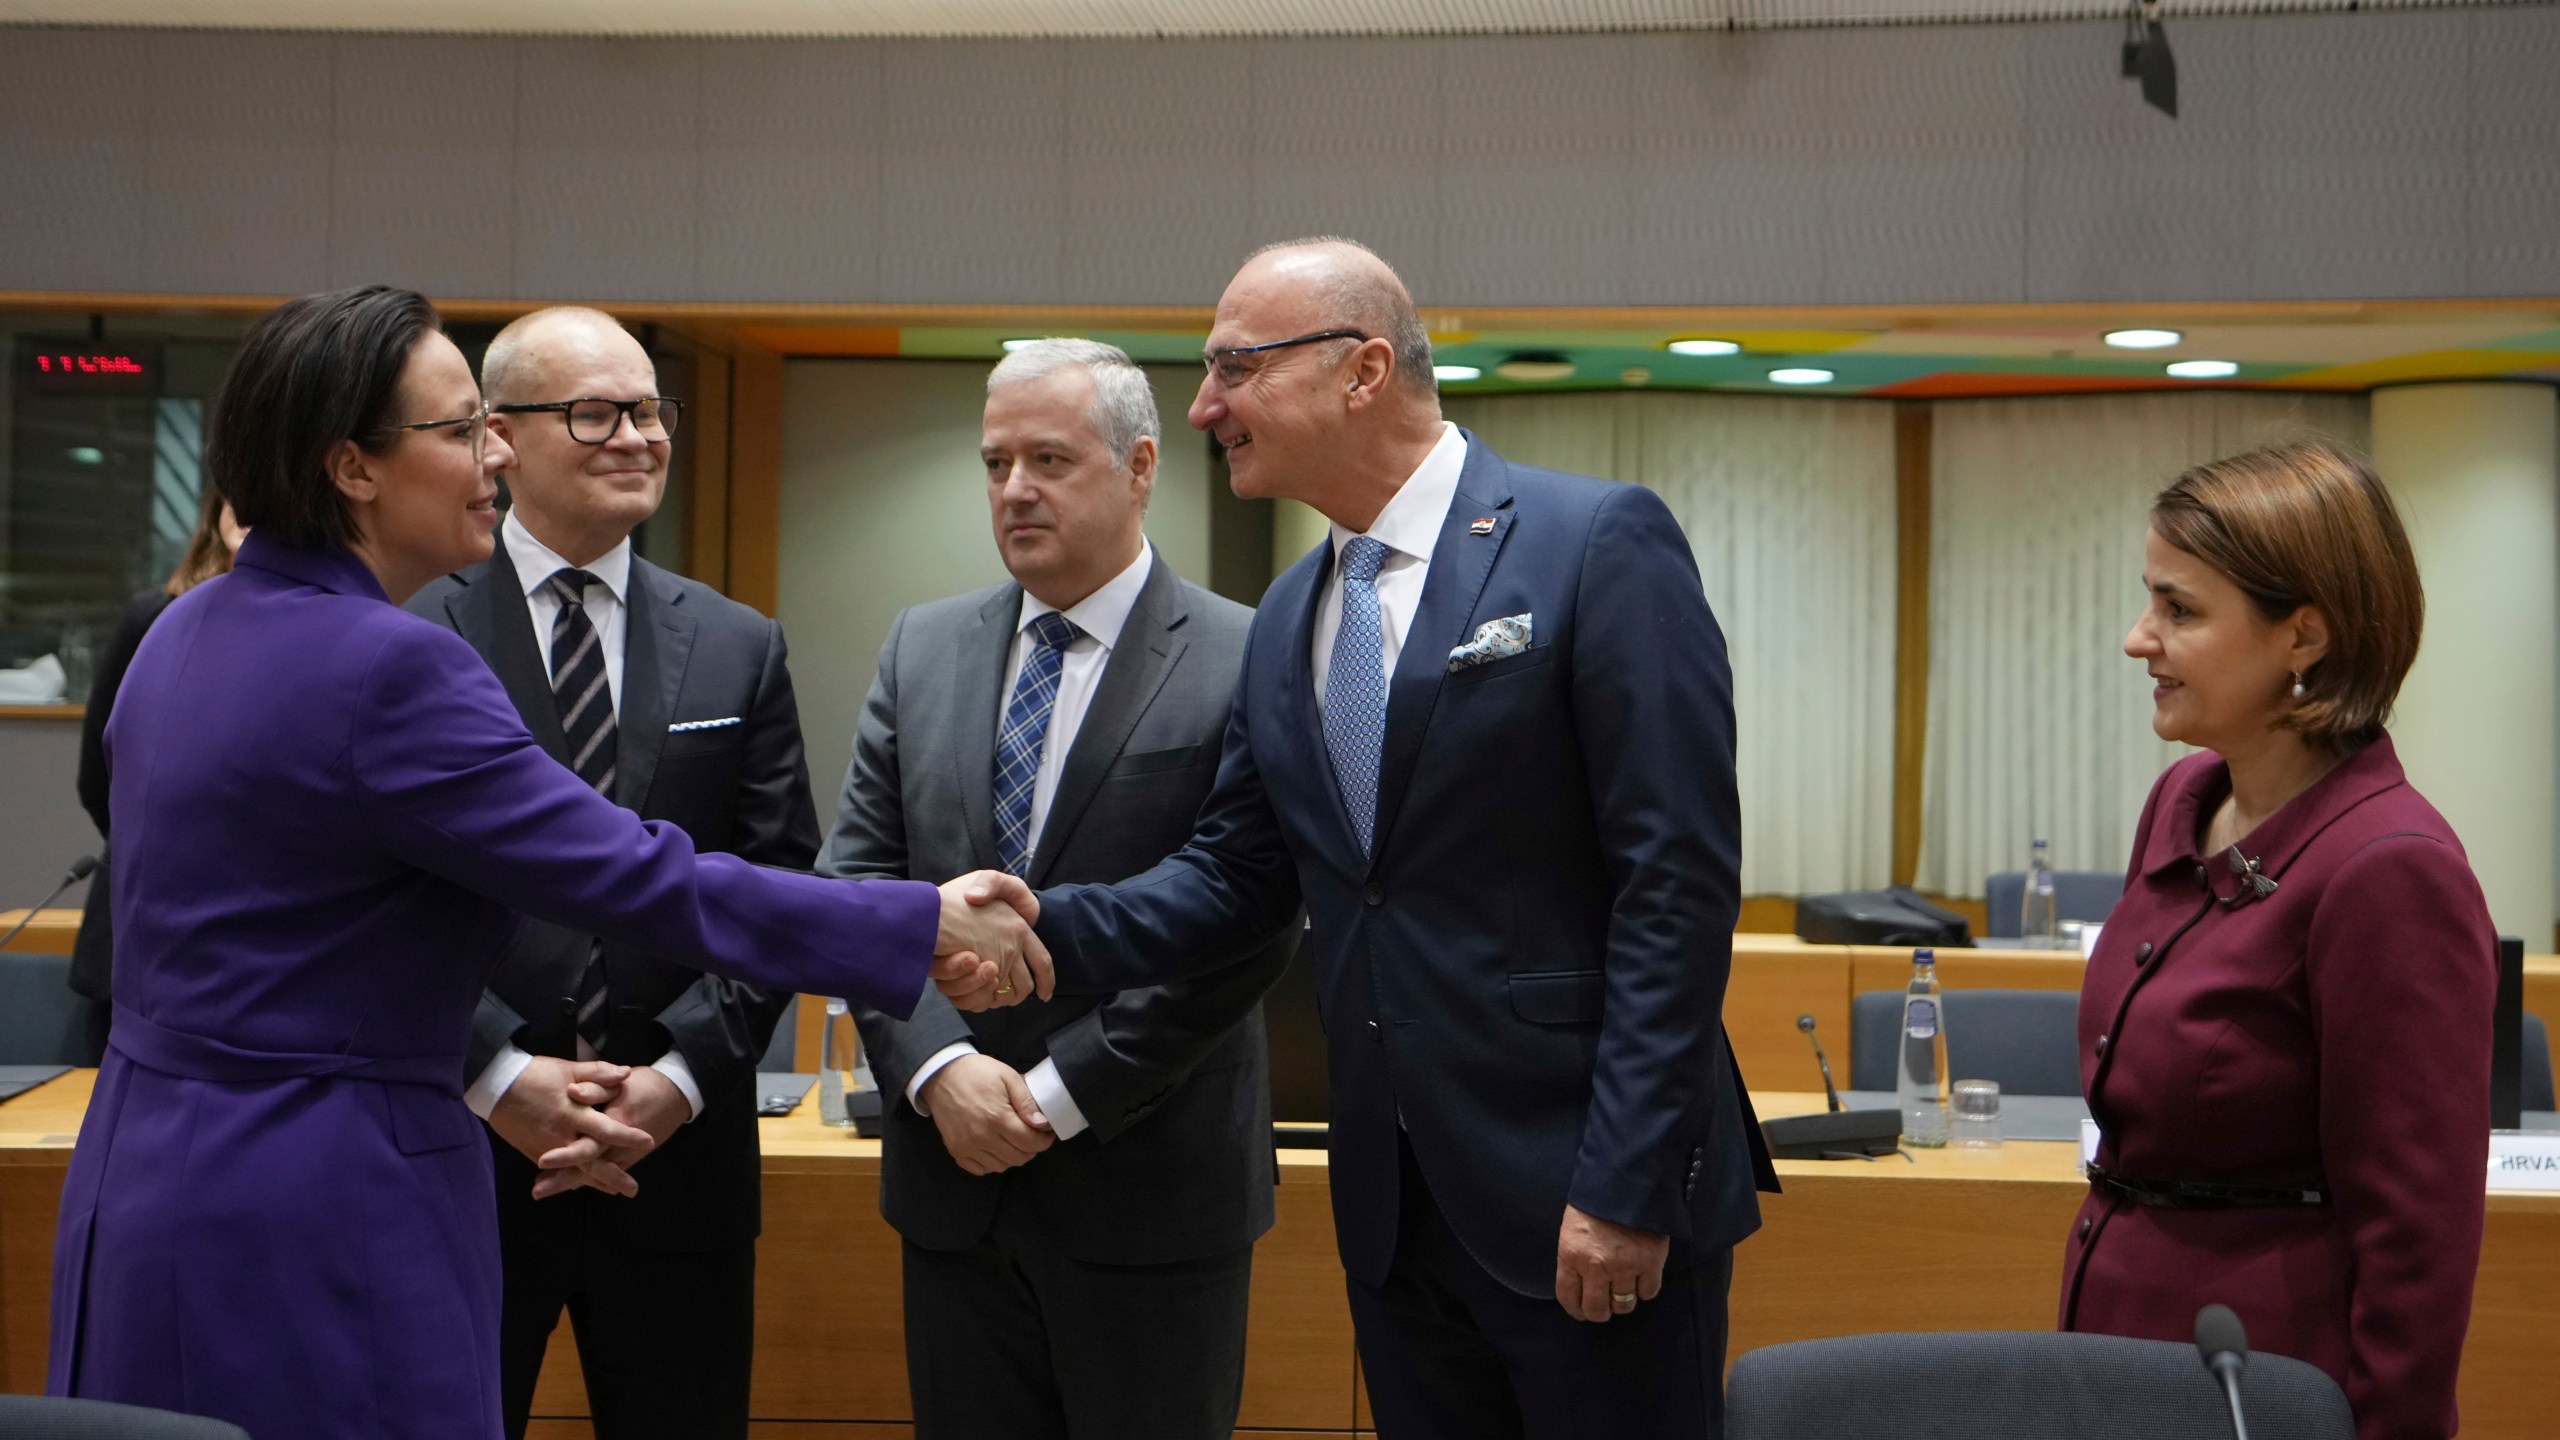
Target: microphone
{"type": "Point", "coordinates": [81, 869]}
{"type": "Point", "coordinates": [2224, 1345]}
{"type": "Point", "coordinates": [1805, 1024]}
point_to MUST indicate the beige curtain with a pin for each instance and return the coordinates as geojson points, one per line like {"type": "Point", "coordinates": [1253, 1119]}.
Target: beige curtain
{"type": "Point", "coordinates": [1788, 505]}
{"type": "Point", "coordinates": [2038, 724]}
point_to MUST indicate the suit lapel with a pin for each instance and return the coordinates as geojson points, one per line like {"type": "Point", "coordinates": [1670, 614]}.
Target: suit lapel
{"type": "Point", "coordinates": [492, 615]}
{"type": "Point", "coordinates": [1137, 669]}
{"type": "Point", "coordinates": [984, 650]}
{"type": "Point", "coordinates": [1460, 563]}
{"type": "Point", "coordinates": [657, 644]}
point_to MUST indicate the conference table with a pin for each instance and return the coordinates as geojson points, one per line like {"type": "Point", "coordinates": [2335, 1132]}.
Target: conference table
{"type": "Point", "coordinates": [1944, 1240]}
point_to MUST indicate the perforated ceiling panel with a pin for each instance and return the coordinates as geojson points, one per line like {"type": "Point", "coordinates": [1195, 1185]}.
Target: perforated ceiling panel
{"type": "Point", "coordinates": [1096, 17]}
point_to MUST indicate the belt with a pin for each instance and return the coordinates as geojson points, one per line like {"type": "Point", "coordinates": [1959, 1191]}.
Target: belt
{"type": "Point", "coordinates": [200, 1057]}
{"type": "Point", "coordinates": [2199, 1194]}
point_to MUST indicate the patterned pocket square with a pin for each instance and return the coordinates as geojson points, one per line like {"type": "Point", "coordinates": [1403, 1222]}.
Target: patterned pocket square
{"type": "Point", "coordinates": [681, 726]}
{"type": "Point", "coordinates": [1494, 640]}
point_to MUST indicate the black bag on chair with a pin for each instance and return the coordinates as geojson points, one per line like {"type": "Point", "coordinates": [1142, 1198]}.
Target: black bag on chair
{"type": "Point", "coordinates": [1898, 916]}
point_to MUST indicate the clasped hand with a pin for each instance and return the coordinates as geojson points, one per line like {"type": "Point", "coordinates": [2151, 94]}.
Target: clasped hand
{"type": "Point", "coordinates": [986, 955]}
{"type": "Point", "coordinates": [586, 1122]}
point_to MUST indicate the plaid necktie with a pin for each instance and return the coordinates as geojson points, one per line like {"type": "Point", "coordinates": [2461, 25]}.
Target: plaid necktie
{"type": "Point", "coordinates": [1355, 687]}
{"type": "Point", "coordinates": [585, 702]}
{"type": "Point", "coordinates": [1025, 734]}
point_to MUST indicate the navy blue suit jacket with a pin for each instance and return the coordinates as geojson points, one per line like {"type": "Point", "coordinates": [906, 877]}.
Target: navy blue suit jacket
{"type": "Point", "coordinates": [1528, 970]}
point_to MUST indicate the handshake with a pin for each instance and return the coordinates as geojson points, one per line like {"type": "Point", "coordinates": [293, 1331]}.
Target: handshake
{"type": "Point", "coordinates": [985, 956]}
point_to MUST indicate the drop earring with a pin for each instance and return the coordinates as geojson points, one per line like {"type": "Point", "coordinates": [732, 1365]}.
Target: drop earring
{"type": "Point", "coordinates": [2297, 687]}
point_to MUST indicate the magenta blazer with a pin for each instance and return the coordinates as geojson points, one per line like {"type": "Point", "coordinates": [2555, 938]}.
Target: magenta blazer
{"type": "Point", "coordinates": [327, 817]}
{"type": "Point", "coordinates": [2333, 1034]}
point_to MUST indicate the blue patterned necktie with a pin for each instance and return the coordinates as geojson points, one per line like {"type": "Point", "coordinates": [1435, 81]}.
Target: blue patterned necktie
{"type": "Point", "coordinates": [1025, 734]}
{"type": "Point", "coordinates": [586, 722]}
{"type": "Point", "coordinates": [1355, 686]}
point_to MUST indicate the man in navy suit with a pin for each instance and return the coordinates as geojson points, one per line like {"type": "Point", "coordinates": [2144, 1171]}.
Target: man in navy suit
{"type": "Point", "coordinates": [1486, 732]}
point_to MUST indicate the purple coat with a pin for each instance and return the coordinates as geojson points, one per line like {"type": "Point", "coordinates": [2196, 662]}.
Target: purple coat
{"type": "Point", "coordinates": [327, 814]}
{"type": "Point", "coordinates": [2334, 1033]}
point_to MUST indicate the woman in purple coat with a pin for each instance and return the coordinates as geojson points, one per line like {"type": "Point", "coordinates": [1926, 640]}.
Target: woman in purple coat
{"type": "Point", "coordinates": [327, 815]}
{"type": "Point", "coordinates": [2285, 1028]}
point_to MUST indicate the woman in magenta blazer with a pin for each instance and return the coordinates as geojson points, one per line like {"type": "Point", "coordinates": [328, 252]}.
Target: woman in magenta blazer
{"type": "Point", "coordinates": [2285, 1028]}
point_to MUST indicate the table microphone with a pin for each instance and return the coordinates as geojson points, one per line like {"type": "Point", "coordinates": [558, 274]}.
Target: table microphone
{"type": "Point", "coordinates": [1841, 1135]}
{"type": "Point", "coordinates": [81, 869]}
{"type": "Point", "coordinates": [2224, 1344]}
{"type": "Point", "coordinates": [1805, 1024]}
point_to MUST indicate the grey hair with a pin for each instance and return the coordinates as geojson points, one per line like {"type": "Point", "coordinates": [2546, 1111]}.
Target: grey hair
{"type": "Point", "coordinates": [1124, 404]}
{"type": "Point", "coordinates": [511, 372]}
{"type": "Point", "coordinates": [1383, 308]}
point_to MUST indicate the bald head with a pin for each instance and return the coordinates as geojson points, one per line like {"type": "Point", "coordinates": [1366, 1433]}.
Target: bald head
{"type": "Point", "coordinates": [536, 351]}
{"type": "Point", "coordinates": [1351, 286]}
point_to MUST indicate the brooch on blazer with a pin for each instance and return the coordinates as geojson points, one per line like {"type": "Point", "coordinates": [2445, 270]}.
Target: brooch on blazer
{"type": "Point", "coordinates": [2254, 883]}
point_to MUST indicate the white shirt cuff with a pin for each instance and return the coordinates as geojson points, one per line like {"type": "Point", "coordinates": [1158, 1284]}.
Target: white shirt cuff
{"type": "Point", "coordinates": [1049, 1092]}
{"type": "Point", "coordinates": [485, 1093]}
{"type": "Point", "coordinates": [933, 1066]}
{"type": "Point", "coordinates": [674, 1066]}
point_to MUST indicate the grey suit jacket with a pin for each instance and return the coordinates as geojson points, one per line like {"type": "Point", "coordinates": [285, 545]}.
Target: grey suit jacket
{"type": "Point", "coordinates": [1174, 1080]}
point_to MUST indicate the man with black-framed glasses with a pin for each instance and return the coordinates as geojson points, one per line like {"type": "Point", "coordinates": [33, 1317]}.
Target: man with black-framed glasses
{"type": "Point", "coordinates": [675, 701]}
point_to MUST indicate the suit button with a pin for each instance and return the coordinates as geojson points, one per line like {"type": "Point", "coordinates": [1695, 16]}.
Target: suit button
{"type": "Point", "coordinates": [2142, 953]}
{"type": "Point", "coordinates": [2102, 1044]}
{"type": "Point", "coordinates": [1374, 895]}
{"type": "Point", "coordinates": [2204, 877]}
{"type": "Point", "coordinates": [2084, 1227]}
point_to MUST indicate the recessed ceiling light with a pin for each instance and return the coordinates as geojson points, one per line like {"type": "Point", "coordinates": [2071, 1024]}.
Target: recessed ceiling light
{"type": "Point", "coordinates": [1635, 375]}
{"type": "Point", "coordinates": [1012, 345]}
{"type": "Point", "coordinates": [1802, 375]}
{"type": "Point", "coordinates": [87, 455]}
{"type": "Point", "coordinates": [2143, 339]}
{"type": "Point", "coordinates": [1703, 347]}
{"type": "Point", "coordinates": [2203, 369]}
{"type": "Point", "coordinates": [1456, 372]}
{"type": "Point", "coordinates": [1534, 366]}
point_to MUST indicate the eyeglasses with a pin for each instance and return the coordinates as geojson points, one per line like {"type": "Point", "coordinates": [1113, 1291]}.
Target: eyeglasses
{"type": "Point", "coordinates": [1229, 368]}
{"type": "Point", "coordinates": [593, 421]}
{"type": "Point", "coordinates": [478, 432]}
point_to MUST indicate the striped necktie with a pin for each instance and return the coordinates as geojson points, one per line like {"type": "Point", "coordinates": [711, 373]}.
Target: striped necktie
{"type": "Point", "coordinates": [585, 703]}
{"type": "Point", "coordinates": [1025, 735]}
{"type": "Point", "coordinates": [1355, 686]}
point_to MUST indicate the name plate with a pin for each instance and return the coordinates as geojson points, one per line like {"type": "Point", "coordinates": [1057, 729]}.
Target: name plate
{"type": "Point", "coordinates": [2524, 1160]}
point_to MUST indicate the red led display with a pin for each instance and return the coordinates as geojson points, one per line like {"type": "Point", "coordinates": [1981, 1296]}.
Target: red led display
{"type": "Point", "coordinates": [70, 367]}
{"type": "Point", "coordinates": [65, 363]}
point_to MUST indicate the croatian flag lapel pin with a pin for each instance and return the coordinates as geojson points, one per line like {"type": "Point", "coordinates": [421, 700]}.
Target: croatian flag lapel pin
{"type": "Point", "coordinates": [1483, 526]}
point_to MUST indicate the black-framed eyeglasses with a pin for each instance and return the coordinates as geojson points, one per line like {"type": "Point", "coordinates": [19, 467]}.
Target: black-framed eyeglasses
{"type": "Point", "coordinates": [477, 420]}
{"type": "Point", "coordinates": [593, 421]}
{"type": "Point", "coordinates": [1229, 366]}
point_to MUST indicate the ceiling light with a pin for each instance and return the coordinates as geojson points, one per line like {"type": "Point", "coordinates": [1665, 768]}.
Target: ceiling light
{"type": "Point", "coordinates": [1456, 372]}
{"type": "Point", "coordinates": [87, 455]}
{"type": "Point", "coordinates": [1012, 345]}
{"type": "Point", "coordinates": [1635, 375]}
{"type": "Point", "coordinates": [1802, 375]}
{"type": "Point", "coordinates": [2143, 339]}
{"type": "Point", "coordinates": [1703, 347]}
{"type": "Point", "coordinates": [2203, 369]}
{"type": "Point", "coordinates": [1535, 366]}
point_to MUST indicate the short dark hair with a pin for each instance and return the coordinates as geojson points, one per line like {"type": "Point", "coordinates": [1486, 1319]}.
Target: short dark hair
{"type": "Point", "coordinates": [2311, 524]}
{"type": "Point", "coordinates": [311, 373]}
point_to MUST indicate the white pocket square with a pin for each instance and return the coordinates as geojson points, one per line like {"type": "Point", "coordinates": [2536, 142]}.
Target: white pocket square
{"type": "Point", "coordinates": [681, 726]}
{"type": "Point", "coordinates": [1494, 640]}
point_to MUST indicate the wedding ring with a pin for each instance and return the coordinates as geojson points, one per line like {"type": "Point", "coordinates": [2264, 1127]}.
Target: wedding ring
{"type": "Point", "coordinates": [1622, 1302]}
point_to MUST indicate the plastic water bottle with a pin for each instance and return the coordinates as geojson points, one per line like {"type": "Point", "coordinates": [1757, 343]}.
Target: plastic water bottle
{"type": "Point", "coordinates": [2037, 925]}
{"type": "Point", "coordinates": [836, 1058]}
{"type": "Point", "coordinates": [1920, 1080]}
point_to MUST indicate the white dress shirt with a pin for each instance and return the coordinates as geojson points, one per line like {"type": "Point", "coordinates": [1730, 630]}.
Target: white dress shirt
{"type": "Point", "coordinates": [1410, 528]}
{"type": "Point", "coordinates": [1100, 616]}
{"type": "Point", "coordinates": [535, 564]}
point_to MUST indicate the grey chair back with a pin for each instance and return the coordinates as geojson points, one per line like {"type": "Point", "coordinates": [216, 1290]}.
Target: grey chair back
{"type": "Point", "coordinates": [2025, 1039]}
{"type": "Point", "coordinates": [45, 1417]}
{"type": "Point", "coordinates": [42, 1022]}
{"type": "Point", "coordinates": [782, 1053]}
{"type": "Point", "coordinates": [2004, 1385]}
{"type": "Point", "coordinates": [2086, 895]}
{"type": "Point", "coordinates": [2534, 1079]}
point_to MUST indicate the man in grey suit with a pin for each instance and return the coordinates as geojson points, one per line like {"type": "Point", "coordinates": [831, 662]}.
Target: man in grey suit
{"type": "Point", "coordinates": [1079, 1182]}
